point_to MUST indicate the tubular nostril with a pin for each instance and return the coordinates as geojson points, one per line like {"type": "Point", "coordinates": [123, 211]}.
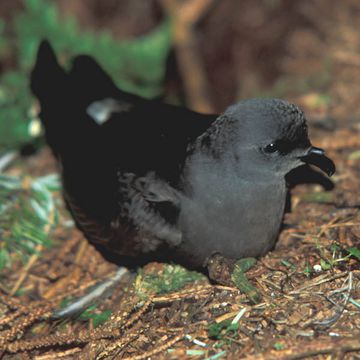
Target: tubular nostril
{"type": "Point", "coordinates": [316, 151]}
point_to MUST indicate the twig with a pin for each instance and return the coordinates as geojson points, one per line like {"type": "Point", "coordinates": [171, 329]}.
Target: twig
{"type": "Point", "coordinates": [39, 248]}
{"type": "Point", "coordinates": [198, 291]}
{"type": "Point", "coordinates": [184, 16]}
{"type": "Point", "coordinates": [120, 344]}
{"type": "Point", "coordinates": [306, 350]}
{"type": "Point", "coordinates": [316, 282]}
{"type": "Point", "coordinates": [20, 326]}
{"type": "Point", "coordinates": [57, 262]}
{"type": "Point", "coordinates": [93, 296]}
{"type": "Point", "coordinates": [340, 309]}
{"type": "Point", "coordinates": [159, 349]}
{"type": "Point", "coordinates": [58, 355]}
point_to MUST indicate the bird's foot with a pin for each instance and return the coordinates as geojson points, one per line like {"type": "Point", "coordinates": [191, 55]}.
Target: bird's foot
{"type": "Point", "coordinates": [220, 269]}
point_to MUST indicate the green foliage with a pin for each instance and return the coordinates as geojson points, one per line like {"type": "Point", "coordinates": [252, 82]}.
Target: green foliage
{"type": "Point", "coordinates": [97, 318]}
{"type": "Point", "coordinates": [170, 278]}
{"type": "Point", "coordinates": [336, 254]}
{"type": "Point", "coordinates": [225, 328]}
{"type": "Point", "coordinates": [355, 252]}
{"type": "Point", "coordinates": [308, 270]}
{"type": "Point", "coordinates": [279, 346]}
{"type": "Point", "coordinates": [325, 264]}
{"type": "Point", "coordinates": [16, 115]}
{"type": "Point", "coordinates": [27, 214]}
{"type": "Point", "coordinates": [136, 65]}
{"type": "Point", "coordinates": [240, 280]}
{"type": "Point", "coordinates": [288, 264]}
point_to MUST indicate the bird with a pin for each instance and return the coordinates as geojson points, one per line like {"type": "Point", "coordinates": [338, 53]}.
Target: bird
{"type": "Point", "coordinates": [145, 180]}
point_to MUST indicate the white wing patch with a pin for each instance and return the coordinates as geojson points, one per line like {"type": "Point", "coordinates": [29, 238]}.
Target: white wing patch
{"type": "Point", "coordinates": [101, 110]}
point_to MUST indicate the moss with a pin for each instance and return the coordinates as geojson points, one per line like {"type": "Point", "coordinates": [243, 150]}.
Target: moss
{"type": "Point", "coordinates": [168, 278]}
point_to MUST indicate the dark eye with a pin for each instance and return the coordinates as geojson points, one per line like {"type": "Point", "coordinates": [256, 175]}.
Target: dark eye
{"type": "Point", "coordinates": [271, 148]}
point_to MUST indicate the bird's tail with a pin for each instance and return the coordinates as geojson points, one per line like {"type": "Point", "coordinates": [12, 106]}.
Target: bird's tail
{"type": "Point", "coordinates": [75, 138]}
{"type": "Point", "coordinates": [64, 97]}
{"type": "Point", "coordinates": [48, 78]}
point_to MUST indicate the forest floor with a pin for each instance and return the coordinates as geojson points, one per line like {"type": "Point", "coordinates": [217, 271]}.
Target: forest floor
{"type": "Point", "coordinates": [308, 287]}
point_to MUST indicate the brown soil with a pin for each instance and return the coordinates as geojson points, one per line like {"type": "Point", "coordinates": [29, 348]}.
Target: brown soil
{"type": "Point", "coordinates": [307, 52]}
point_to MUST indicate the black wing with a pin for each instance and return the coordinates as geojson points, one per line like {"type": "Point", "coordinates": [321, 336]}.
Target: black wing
{"type": "Point", "coordinates": [98, 131]}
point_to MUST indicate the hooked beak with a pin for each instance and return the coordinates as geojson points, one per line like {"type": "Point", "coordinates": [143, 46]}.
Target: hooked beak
{"type": "Point", "coordinates": [316, 156]}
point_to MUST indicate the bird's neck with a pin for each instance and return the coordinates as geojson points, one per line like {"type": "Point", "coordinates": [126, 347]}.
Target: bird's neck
{"type": "Point", "coordinates": [226, 178]}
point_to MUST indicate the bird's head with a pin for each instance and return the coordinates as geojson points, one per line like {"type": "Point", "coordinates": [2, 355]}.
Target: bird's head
{"type": "Point", "coordinates": [270, 134]}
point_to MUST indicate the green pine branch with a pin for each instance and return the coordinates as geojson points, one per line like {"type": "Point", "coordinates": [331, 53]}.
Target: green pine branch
{"type": "Point", "coordinates": [27, 215]}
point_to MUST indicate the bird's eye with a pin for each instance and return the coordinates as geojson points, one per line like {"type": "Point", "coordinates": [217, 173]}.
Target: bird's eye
{"type": "Point", "coordinates": [271, 148]}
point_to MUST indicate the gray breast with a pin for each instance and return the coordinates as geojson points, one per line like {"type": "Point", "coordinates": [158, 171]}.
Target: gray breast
{"type": "Point", "coordinates": [225, 213]}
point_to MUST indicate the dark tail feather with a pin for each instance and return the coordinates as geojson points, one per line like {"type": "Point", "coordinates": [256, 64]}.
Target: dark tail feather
{"type": "Point", "coordinates": [47, 78]}
{"type": "Point", "coordinates": [73, 136]}
{"type": "Point", "coordinates": [48, 82]}
{"type": "Point", "coordinates": [87, 71]}
{"type": "Point", "coordinates": [64, 98]}
{"type": "Point", "coordinates": [65, 95]}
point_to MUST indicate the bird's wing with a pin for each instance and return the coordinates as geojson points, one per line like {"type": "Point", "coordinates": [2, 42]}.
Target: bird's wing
{"type": "Point", "coordinates": [85, 105]}
{"type": "Point", "coordinates": [145, 136]}
{"type": "Point", "coordinates": [97, 131]}
{"type": "Point", "coordinates": [151, 205]}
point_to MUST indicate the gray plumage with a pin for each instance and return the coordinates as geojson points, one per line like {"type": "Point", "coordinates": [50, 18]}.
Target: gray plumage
{"type": "Point", "coordinates": [234, 192]}
{"type": "Point", "coordinates": [150, 181]}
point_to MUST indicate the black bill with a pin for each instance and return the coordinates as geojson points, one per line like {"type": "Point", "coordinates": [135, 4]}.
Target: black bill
{"type": "Point", "coordinates": [316, 157]}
